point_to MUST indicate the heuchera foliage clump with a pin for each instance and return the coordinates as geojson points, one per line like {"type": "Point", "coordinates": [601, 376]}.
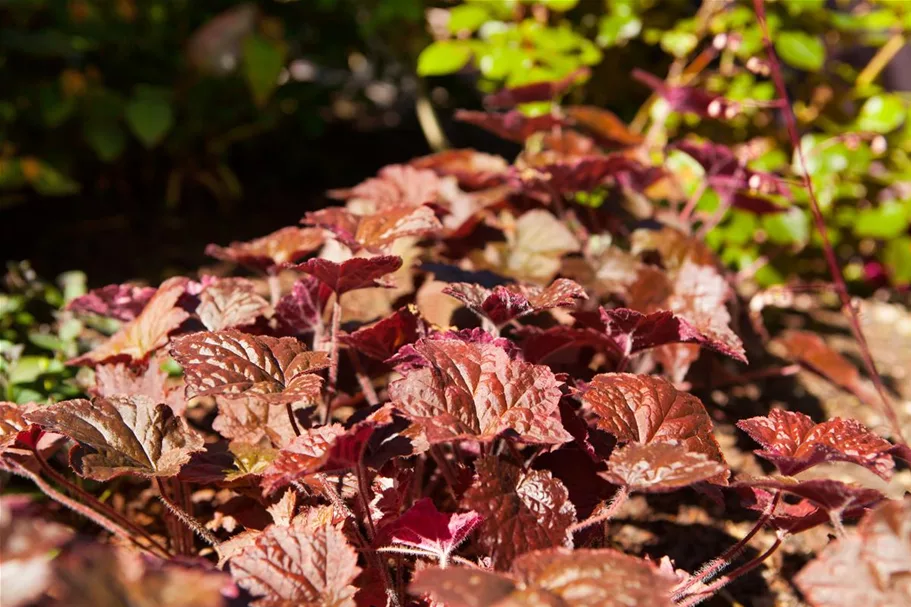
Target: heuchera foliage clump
{"type": "Point", "coordinates": [440, 393]}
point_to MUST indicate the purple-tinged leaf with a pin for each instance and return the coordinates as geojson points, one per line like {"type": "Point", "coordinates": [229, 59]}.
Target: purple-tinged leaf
{"type": "Point", "coordinates": [690, 99]}
{"type": "Point", "coordinates": [506, 302]}
{"type": "Point", "coordinates": [301, 310]}
{"type": "Point", "coordinates": [547, 90]}
{"type": "Point", "coordinates": [512, 126]}
{"type": "Point", "coordinates": [605, 126]}
{"type": "Point", "coordinates": [381, 340]}
{"type": "Point", "coordinates": [830, 495]}
{"type": "Point", "coordinates": [424, 527]}
{"type": "Point", "coordinates": [355, 273]}
{"type": "Point", "coordinates": [123, 302]}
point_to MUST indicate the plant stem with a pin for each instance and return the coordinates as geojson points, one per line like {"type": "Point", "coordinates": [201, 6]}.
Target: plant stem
{"type": "Point", "coordinates": [97, 505]}
{"type": "Point", "coordinates": [362, 378]}
{"type": "Point", "coordinates": [187, 519]}
{"type": "Point", "coordinates": [333, 360]}
{"type": "Point", "coordinates": [365, 494]}
{"type": "Point", "coordinates": [275, 289]}
{"type": "Point", "coordinates": [446, 470]}
{"type": "Point", "coordinates": [615, 504]}
{"type": "Point", "coordinates": [708, 591]}
{"type": "Point", "coordinates": [294, 426]}
{"type": "Point", "coordinates": [834, 268]}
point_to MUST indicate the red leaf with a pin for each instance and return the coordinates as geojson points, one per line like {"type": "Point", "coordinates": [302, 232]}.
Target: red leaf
{"type": "Point", "coordinates": [522, 510]}
{"type": "Point", "coordinates": [426, 528]}
{"type": "Point", "coordinates": [812, 351]}
{"type": "Point", "coordinates": [828, 494]}
{"type": "Point", "coordinates": [147, 332]}
{"type": "Point", "coordinates": [504, 303]}
{"type": "Point", "coordinates": [690, 99]}
{"type": "Point", "coordinates": [396, 185]}
{"type": "Point", "coordinates": [794, 443]}
{"type": "Point", "coordinates": [250, 420]}
{"type": "Point", "coordinates": [547, 90]}
{"type": "Point", "coordinates": [474, 170]}
{"type": "Point", "coordinates": [298, 565]}
{"type": "Point", "coordinates": [603, 125]}
{"type": "Point", "coordinates": [631, 331]}
{"type": "Point", "coordinates": [355, 273]}
{"type": "Point", "coordinates": [123, 302]}
{"type": "Point", "coordinates": [276, 370]}
{"type": "Point", "coordinates": [383, 339]}
{"type": "Point", "coordinates": [302, 309]}
{"type": "Point", "coordinates": [304, 455]}
{"type": "Point", "coordinates": [378, 231]}
{"type": "Point", "coordinates": [647, 409]}
{"type": "Point", "coordinates": [270, 252]}
{"type": "Point", "coordinates": [581, 175]}
{"type": "Point", "coordinates": [558, 577]}
{"type": "Point", "coordinates": [129, 434]}
{"type": "Point", "coordinates": [871, 566]}
{"type": "Point", "coordinates": [473, 390]}
{"type": "Point", "coordinates": [121, 380]}
{"type": "Point", "coordinates": [512, 126]}
{"type": "Point", "coordinates": [230, 302]}
{"type": "Point", "coordinates": [659, 467]}
{"type": "Point", "coordinates": [12, 423]}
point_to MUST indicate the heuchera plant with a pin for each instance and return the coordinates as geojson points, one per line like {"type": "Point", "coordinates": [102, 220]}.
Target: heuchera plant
{"type": "Point", "coordinates": [441, 393]}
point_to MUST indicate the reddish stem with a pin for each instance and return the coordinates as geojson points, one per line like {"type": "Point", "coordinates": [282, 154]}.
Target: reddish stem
{"type": "Point", "coordinates": [365, 495]}
{"type": "Point", "coordinates": [612, 508]}
{"type": "Point", "coordinates": [708, 591]}
{"type": "Point", "coordinates": [362, 378]}
{"type": "Point", "coordinates": [831, 260]}
{"type": "Point", "coordinates": [294, 426]}
{"type": "Point", "coordinates": [331, 388]}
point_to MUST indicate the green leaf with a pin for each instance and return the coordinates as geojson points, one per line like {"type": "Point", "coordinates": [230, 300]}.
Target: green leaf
{"type": "Point", "coordinates": [149, 115]}
{"type": "Point", "coordinates": [51, 182]}
{"type": "Point", "coordinates": [800, 50]}
{"type": "Point", "coordinates": [560, 6]}
{"type": "Point", "coordinates": [888, 220]}
{"type": "Point", "coordinates": [792, 227]}
{"type": "Point", "coordinates": [467, 18]}
{"type": "Point", "coordinates": [618, 27]}
{"type": "Point", "coordinates": [263, 63]}
{"type": "Point", "coordinates": [881, 113]}
{"type": "Point", "coordinates": [678, 44]}
{"type": "Point", "coordinates": [29, 368]}
{"type": "Point", "coordinates": [105, 137]}
{"type": "Point", "coordinates": [897, 256]}
{"type": "Point", "coordinates": [443, 57]}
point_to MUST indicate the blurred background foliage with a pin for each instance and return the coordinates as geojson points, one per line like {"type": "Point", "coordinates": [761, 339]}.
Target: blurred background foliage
{"type": "Point", "coordinates": [133, 132]}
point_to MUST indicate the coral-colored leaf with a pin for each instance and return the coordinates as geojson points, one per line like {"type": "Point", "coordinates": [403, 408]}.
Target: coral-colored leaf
{"type": "Point", "coordinates": [231, 363]}
{"type": "Point", "coordinates": [250, 420]}
{"type": "Point", "coordinates": [396, 185]}
{"type": "Point", "coordinates": [871, 566]}
{"type": "Point", "coordinates": [301, 310]}
{"type": "Point", "coordinates": [475, 390]}
{"type": "Point", "coordinates": [522, 510]}
{"type": "Point", "coordinates": [378, 231]}
{"type": "Point", "coordinates": [297, 565]}
{"type": "Point", "coordinates": [424, 527]}
{"type": "Point", "coordinates": [512, 125]}
{"type": "Point", "coordinates": [794, 443]}
{"type": "Point", "coordinates": [812, 350]}
{"type": "Point", "coordinates": [557, 577]}
{"type": "Point", "coordinates": [605, 126]}
{"type": "Point", "coordinates": [660, 466]}
{"type": "Point", "coordinates": [383, 339]}
{"type": "Point", "coordinates": [474, 170]}
{"type": "Point", "coordinates": [632, 332]}
{"type": "Point", "coordinates": [646, 409]}
{"type": "Point", "coordinates": [229, 303]}
{"type": "Point", "coordinates": [269, 252]}
{"type": "Point", "coordinates": [126, 434]}
{"type": "Point", "coordinates": [12, 422]}
{"type": "Point", "coordinates": [504, 303]}
{"type": "Point", "coordinates": [146, 333]}
{"type": "Point", "coordinates": [355, 273]}
{"type": "Point", "coordinates": [123, 302]}
{"type": "Point", "coordinates": [304, 455]}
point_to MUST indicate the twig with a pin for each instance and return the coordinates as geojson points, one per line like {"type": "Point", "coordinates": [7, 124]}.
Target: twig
{"type": "Point", "coordinates": [187, 519]}
{"type": "Point", "coordinates": [880, 60]}
{"type": "Point", "coordinates": [834, 268]}
{"type": "Point", "coordinates": [612, 508]}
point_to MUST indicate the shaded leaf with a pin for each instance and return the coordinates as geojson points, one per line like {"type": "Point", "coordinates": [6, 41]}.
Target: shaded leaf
{"type": "Point", "coordinates": [381, 340]}
{"type": "Point", "coordinates": [474, 170]}
{"type": "Point", "coordinates": [298, 565]}
{"type": "Point", "coordinates": [277, 370]}
{"type": "Point", "coordinates": [301, 310]}
{"type": "Point", "coordinates": [475, 390]}
{"type": "Point", "coordinates": [660, 466]}
{"type": "Point", "coordinates": [355, 273]}
{"type": "Point", "coordinates": [830, 495]}
{"type": "Point", "coordinates": [794, 443]}
{"type": "Point", "coordinates": [512, 125]}
{"type": "Point", "coordinates": [522, 510]}
{"type": "Point", "coordinates": [506, 302]}
{"type": "Point", "coordinates": [123, 302]}
{"type": "Point", "coordinates": [647, 409]}
{"type": "Point", "coordinates": [267, 253]}
{"type": "Point", "coordinates": [128, 435]}
{"type": "Point", "coordinates": [250, 420]}
{"type": "Point", "coordinates": [230, 302]}
{"type": "Point", "coordinates": [605, 126]}
{"type": "Point", "coordinates": [546, 90]}
{"type": "Point", "coordinates": [146, 333]}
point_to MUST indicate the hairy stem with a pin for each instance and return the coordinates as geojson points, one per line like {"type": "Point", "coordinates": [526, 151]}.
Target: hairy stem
{"type": "Point", "coordinates": [97, 505]}
{"type": "Point", "coordinates": [612, 508]}
{"type": "Point", "coordinates": [714, 587]}
{"type": "Point", "coordinates": [331, 387]}
{"type": "Point", "coordinates": [291, 418]}
{"type": "Point", "coordinates": [831, 260]}
{"type": "Point", "coordinates": [184, 517]}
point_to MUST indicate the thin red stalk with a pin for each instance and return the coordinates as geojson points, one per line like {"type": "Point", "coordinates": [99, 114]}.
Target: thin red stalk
{"type": "Point", "coordinates": [717, 565]}
{"type": "Point", "coordinates": [362, 378]}
{"type": "Point", "coordinates": [364, 495]}
{"type": "Point", "coordinates": [79, 508]}
{"type": "Point", "coordinates": [97, 505]}
{"type": "Point", "coordinates": [331, 388]}
{"type": "Point", "coordinates": [294, 426]}
{"type": "Point", "coordinates": [831, 259]}
{"type": "Point", "coordinates": [612, 508]}
{"type": "Point", "coordinates": [186, 518]}
{"type": "Point", "coordinates": [693, 200]}
{"type": "Point", "coordinates": [709, 591]}
{"type": "Point", "coordinates": [445, 468]}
